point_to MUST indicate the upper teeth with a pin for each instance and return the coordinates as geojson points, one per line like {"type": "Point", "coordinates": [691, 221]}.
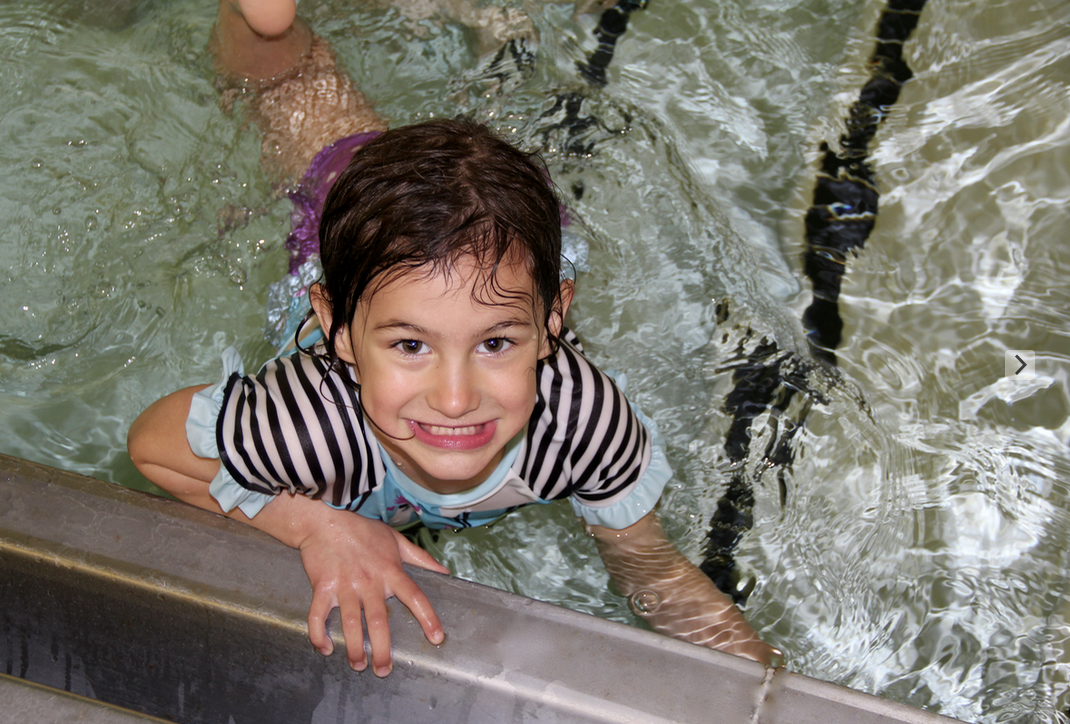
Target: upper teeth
{"type": "Point", "coordinates": [437, 430]}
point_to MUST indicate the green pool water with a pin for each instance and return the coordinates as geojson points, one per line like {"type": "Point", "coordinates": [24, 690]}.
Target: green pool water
{"type": "Point", "coordinates": [920, 552]}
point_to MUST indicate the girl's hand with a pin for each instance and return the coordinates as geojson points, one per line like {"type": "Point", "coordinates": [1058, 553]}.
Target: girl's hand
{"type": "Point", "coordinates": [354, 564]}
{"type": "Point", "coordinates": [674, 596]}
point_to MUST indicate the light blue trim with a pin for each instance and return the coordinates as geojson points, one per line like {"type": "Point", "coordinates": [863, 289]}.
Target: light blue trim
{"type": "Point", "coordinates": [200, 432]}
{"type": "Point", "coordinates": [204, 408]}
{"type": "Point", "coordinates": [230, 495]}
{"type": "Point", "coordinates": [421, 495]}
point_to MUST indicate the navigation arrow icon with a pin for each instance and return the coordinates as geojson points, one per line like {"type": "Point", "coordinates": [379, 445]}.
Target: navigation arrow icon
{"type": "Point", "coordinates": [1019, 364]}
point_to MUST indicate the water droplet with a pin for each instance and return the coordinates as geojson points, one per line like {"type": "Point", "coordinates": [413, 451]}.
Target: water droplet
{"type": "Point", "coordinates": [644, 602]}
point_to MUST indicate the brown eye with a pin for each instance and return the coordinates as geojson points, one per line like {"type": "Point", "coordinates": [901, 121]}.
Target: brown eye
{"type": "Point", "coordinates": [495, 345]}
{"type": "Point", "coordinates": [411, 347]}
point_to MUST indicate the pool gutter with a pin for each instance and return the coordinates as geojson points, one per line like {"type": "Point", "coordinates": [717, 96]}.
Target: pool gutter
{"type": "Point", "coordinates": [115, 598]}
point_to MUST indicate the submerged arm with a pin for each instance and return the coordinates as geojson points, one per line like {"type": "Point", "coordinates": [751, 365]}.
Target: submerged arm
{"type": "Point", "coordinates": [673, 595]}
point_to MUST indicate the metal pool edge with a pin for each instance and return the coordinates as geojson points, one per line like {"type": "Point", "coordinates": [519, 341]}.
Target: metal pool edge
{"type": "Point", "coordinates": [159, 608]}
{"type": "Point", "coordinates": [25, 701]}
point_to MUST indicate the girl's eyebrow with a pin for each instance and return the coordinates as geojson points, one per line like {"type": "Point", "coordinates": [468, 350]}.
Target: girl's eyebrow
{"type": "Point", "coordinates": [506, 324]}
{"type": "Point", "coordinates": [399, 325]}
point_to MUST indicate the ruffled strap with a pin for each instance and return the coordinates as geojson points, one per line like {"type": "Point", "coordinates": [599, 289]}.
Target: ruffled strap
{"type": "Point", "coordinates": [201, 433]}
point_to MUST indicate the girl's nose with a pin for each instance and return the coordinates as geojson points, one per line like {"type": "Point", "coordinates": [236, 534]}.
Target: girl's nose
{"type": "Point", "coordinates": [455, 391]}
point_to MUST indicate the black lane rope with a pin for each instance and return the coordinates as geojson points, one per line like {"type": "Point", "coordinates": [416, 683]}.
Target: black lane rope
{"type": "Point", "coordinates": [846, 197]}
{"type": "Point", "coordinates": [838, 223]}
{"type": "Point", "coordinates": [758, 385]}
{"type": "Point", "coordinates": [611, 26]}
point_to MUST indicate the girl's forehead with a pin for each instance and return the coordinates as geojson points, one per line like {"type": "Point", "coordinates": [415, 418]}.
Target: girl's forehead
{"type": "Point", "coordinates": [464, 276]}
{"type": "Point", "coordinates": [466, 282]}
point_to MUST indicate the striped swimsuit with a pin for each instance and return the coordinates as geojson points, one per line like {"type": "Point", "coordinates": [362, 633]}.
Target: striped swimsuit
{"type": "Point", "coordinates": [294, 427]}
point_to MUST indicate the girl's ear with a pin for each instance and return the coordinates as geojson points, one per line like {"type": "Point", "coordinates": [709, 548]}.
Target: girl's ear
{"type": "Point", "coordinates": [557, 316]}
{"type": "Point", "coordinates": [321, 305]}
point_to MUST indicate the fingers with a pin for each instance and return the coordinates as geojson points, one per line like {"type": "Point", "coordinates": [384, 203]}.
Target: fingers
{"type": "Point", "coordinates": [378, 635]}
{"type": "Point", "coordinates": [412, 595]}
{"type": "Point", "coordinates": [350, 604]}
{"type": "Point", "coordinates": [372, 601]}
{"type": "Point", "coordinates": [322, 604]}
{"type": "Point", "coordinates": [761, 652]}
{"type": "Point", "coordinates": [420, 606]}
{"type": "Point", "coordinates": [378, 624]}
{"type": "Point", "coordinates": [375, 614]}
{"type": "Point", "coordinates": [731, 633]}
{"type": "Point", "coordinates": [353, 633]}
{"type": "Point", "coordinates": [355, 564]}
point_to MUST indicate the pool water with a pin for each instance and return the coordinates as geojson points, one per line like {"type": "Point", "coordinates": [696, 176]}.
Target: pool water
{"type": "Point", "coordinates": [919, 550]}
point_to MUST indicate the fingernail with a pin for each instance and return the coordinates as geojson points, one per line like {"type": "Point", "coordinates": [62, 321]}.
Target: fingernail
{"type": "Point", "coordinates": [358, 665]}
{"type": "Point", "coordinates": [383, 671]}
{"type": "Point", "coordinates": [437, 637]}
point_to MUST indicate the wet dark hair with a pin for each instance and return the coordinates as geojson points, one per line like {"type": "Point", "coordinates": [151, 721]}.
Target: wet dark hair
{"type": "Point", "coordinates": [419, 198]}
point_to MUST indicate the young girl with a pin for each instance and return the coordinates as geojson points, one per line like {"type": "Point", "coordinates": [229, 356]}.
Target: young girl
{"type": "Point", "coordinates": [445, 388]}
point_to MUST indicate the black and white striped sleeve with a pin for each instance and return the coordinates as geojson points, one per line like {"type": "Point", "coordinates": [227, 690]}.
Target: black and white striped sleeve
{"type": "Point", "coordinates": [585, 440]}
{"type": "Point", "coordinates": [296, 427]}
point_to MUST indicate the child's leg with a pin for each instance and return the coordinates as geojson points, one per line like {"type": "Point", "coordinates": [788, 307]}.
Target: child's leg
{"type": "Point", "coordinates": [290, 82]}
{"type": "Point", "coordinates": [268, 42]}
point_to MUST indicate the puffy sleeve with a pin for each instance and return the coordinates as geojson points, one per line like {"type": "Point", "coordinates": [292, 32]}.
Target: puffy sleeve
{"type": "Point", "coordinates": [587, 442]}
{"type": "Point", "coordinates": [296, 426]}
{"type": "Point", "coordinates": [641, 497]}
{"type": "Point", "coordinates": [201, 433]}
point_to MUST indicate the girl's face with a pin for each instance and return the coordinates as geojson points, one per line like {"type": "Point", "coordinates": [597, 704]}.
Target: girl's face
{"type": "Point", "coordinates": [447, 367]}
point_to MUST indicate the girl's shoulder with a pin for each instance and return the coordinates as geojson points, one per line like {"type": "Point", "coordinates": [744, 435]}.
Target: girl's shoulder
{"type": "Point", "coordinates": [570, 359]}
{"type": "Point", "coordinates": [584, 437]}
{"type": "Point", "coordinates": [569, 381]}
{"type": "Point", "coordinates": [296, 425]}
{"type": "Point", "coordinates": [302, 380]}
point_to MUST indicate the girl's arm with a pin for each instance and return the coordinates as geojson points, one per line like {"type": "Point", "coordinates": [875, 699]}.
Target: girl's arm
{"type": "Point", "coordinates": [673, 595]}
{"type": "Point", "coordinates": [352, 562]}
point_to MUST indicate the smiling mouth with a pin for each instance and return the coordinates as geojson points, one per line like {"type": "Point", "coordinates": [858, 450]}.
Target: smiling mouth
{"type": "Point", "coordinates": [439, 430]}
{"type": "Point", "coordinates": [468, 437]}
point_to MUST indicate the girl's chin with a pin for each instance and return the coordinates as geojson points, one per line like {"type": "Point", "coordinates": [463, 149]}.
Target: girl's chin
{"type": "Point", "coordinates": [448, 487]}
{"type": "Point", "coordinates": [447, 474]}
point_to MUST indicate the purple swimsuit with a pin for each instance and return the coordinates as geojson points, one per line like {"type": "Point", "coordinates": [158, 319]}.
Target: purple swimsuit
{"type": "Point", "coordinates": [304, 239]}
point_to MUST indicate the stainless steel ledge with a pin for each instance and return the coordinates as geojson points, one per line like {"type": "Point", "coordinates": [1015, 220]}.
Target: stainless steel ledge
{"type": "Point", "coordinates": [156, 607]}
{"type": "Point", "coordinates": [24, 702]}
